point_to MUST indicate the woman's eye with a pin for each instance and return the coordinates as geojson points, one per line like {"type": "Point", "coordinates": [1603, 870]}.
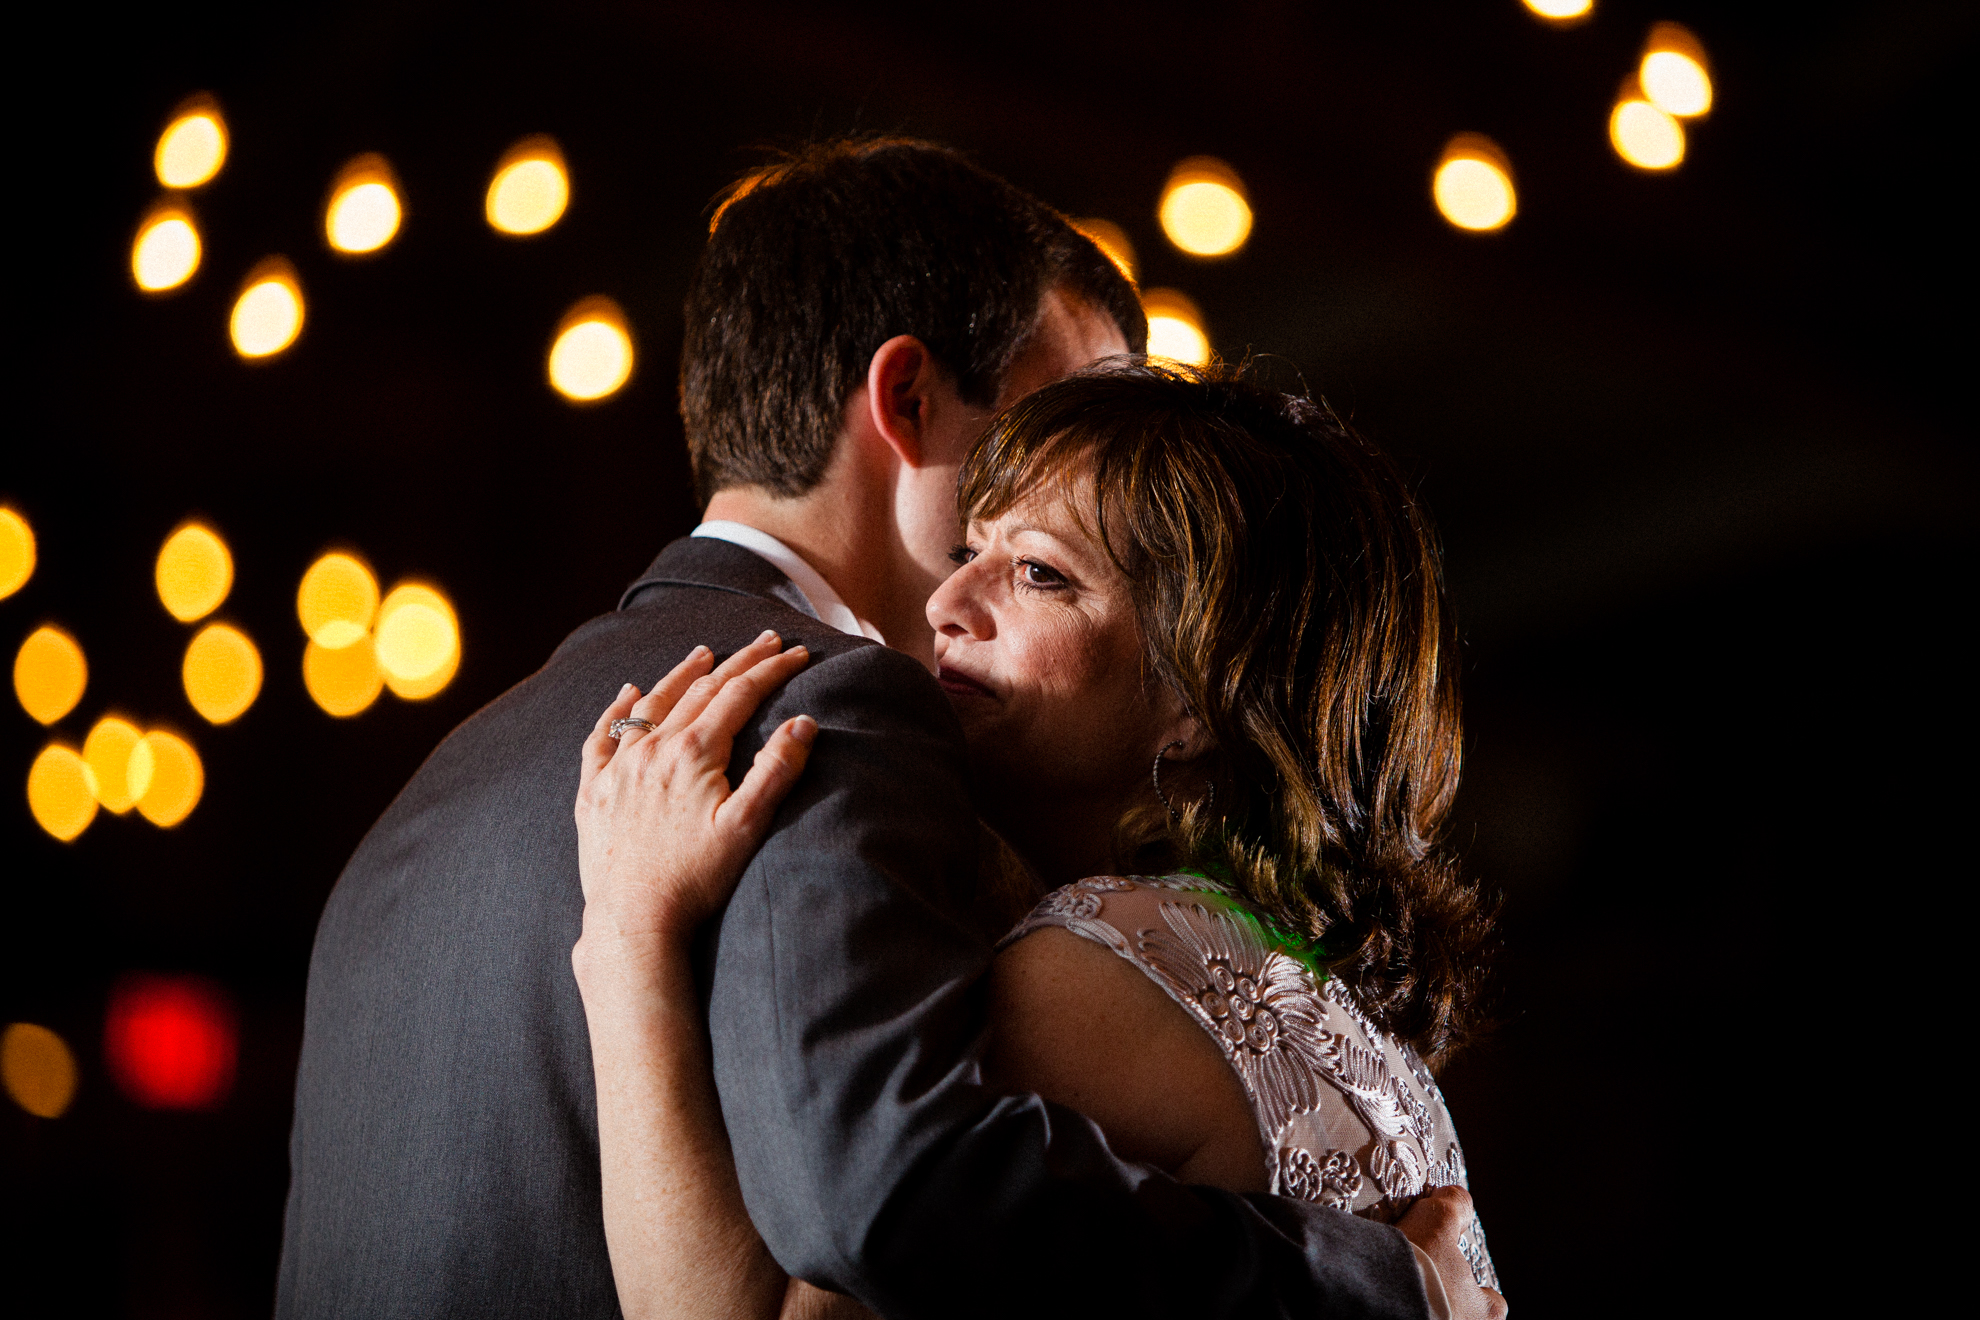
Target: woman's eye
{"type": "Point", "coordinates": [1033, 574]}
{"type": "Point", "coordinates": [961, 555]}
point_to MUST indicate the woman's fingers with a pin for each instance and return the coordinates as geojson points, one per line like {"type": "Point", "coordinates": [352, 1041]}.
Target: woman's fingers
{"type": "Point", "coordinates": [657, 704]}
{"type": "Point", "coordinates": [699, 692]}
{"type": "Point", "coordinates": [776, 768]}
{"type": "Point", "coordinates": [730, 709]}
{"type": "Point", "coordinates": [598, 748]}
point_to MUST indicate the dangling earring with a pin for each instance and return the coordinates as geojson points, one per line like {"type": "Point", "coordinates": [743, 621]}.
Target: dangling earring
{"type": "Point", "coordinates": [1156, 775]}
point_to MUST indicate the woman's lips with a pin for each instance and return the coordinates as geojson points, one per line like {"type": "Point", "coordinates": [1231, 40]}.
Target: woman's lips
{"type": "Point", "coordinates": [959, 684]}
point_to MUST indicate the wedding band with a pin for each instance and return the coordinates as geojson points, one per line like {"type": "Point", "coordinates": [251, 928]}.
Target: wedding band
{"type": "Point", "coordinates": [619, 727]}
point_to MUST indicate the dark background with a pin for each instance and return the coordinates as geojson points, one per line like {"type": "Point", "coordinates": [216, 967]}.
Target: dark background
{"type": "Point", "coordinates": [1697, 443]}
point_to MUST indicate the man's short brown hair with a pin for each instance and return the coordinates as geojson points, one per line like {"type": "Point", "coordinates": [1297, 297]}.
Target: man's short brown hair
{"type": "Point", "coordinates": [818, 259]}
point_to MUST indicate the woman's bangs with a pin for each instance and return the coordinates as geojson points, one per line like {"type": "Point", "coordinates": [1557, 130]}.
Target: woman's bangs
{"type": "Point", "coordinates": [1014, 462]}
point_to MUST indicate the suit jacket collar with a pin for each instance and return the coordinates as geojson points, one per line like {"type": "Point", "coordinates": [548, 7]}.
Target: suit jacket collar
{"type": "Point", "coordinates": [720, 566]}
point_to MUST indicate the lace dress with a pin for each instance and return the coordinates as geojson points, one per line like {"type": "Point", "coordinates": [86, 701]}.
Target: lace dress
{"type": "Point", "coordinates": [1348, 1115]}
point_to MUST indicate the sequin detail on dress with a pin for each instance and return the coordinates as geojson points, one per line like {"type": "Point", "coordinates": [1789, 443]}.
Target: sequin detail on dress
{"type": "Point", "coordinates": [1348, 1116]}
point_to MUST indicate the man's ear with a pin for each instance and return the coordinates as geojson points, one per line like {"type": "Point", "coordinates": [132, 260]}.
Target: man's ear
{"type": "Point", "coordinates": [899, 383]}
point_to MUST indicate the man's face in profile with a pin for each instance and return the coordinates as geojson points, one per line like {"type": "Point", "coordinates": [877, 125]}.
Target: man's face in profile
{"type": "Point", "coordinates": [1071, 333]}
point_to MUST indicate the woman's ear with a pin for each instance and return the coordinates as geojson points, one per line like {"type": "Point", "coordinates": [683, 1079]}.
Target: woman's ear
{"type": "Point", "coordinates": [1188, 731]}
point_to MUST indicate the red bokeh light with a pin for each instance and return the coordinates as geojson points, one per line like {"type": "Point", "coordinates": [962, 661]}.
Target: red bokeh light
{"type": "Point", "coordinates": [171, 1041]}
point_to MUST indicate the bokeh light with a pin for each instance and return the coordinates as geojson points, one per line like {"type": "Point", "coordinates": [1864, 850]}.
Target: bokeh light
{"type": "Point", "coordinates": [592, 355]}
{"type": "Point", "coordinates": [61, 792]}
{"type": "Point", "coordinates": [364, 210]}
{"type": "Point", "coordinates": [177, 778]}
{"type": "Point", "coordinates": [119, 777]}
{"type": "Point", "coordinates": [343, 680]}
{"type": "Point", "coordinates": [530, 189]}
{"type": "Point", "coordinates": [1473, 185]}
{"type": "Point", "coordinates": [38, 1069]}
{"type": "Point", "coordinates": [1674, 73]}
{"type": "Point", "coordinates": [171, 1041]}
{"type": "Point", "coordinates": [1645, 136]}
{"type": "Point", "coordinates": [222, 673]}
{"type": "Point", "coordinates": [49, 674]}
{"type": "Point", "coordinates": [418, 641]}
{"type": "Point", "coordinates": [193, 146]}
{"type": "Point", "coordinates": [268, 315]}
{"type": "Point", "coordinates": [166, 252]}
{"type": "Point", "coordinates": [1204, 209]}
{"type": "Point", "coordinates": [1175, 327]}
{"type": "Point", "coordinates": [337, 600]}
{"type": "Point", "coordinates": [195, 571]}
{"type": "Point", "coordinates": [1561, 10]}
{"type": "Point", "coordinates": [16, 552]}
{"type": "Point", "coordinates": [1111, 239]}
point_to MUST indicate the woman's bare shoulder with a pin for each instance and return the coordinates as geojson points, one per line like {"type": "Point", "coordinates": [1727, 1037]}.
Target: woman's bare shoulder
{"type": "Point", "coordinates": [1082, 1026]}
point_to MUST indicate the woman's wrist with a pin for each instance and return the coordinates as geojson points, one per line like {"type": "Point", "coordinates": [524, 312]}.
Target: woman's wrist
{"type": "Point", "coordinates": [606, 956]}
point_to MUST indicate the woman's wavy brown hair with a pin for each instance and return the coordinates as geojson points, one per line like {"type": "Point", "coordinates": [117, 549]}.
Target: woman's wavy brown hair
{"type": "Point", "coordinates": [1290, 588]}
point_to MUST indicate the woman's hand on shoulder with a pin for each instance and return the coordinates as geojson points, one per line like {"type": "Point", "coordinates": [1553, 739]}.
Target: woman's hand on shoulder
{"type": "Point", "coordinates": [662, 837]}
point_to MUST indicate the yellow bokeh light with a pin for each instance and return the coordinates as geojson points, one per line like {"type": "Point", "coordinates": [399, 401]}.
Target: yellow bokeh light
{"type": "Point", "coordinates": [1473, 185]}
{"type": "Point", "coordinates": [1674, 74]}
{"type": "Point", "coordinates": [530, 189]}
{"type": "Point", "coordinates": [1175, 328]}
{"type": "Point", "coordinates": [342, 680]}
{"type": "Point", "coordinates": [195, 572]}
{"type": "Point", "coordinates": [38, 1069]}
{"type": "Point", "coordinates": [107, 752]}
{"type": "Point", "coordinates": [177, 778]}
{"type": "Point", "coordinates": [61, 792]}
{"type": "Point", "coordinates": [364, 210]}
{"type": "Point", "coordinates": [1557, 10]}
{"type": "Point", "coordinates": [222, 673]}
{"type": "Point", "coordinates": [593, 352]}
{"type": "Point", "coordinates": [1204, 210]}
{"type": "Point", "coordinates": [49, 674]}
{"type": "Point", "coordinates": [337, 600]}
{"type": "Point", "coordinates": [1645, 136]}
{"type": "Point", "coordinates": [16, 552]}
{"type": "Point", "coordinates": [1111, 239]}
{"type": "Point", "coordinates": [268, 315]}
{"type": "Point", "coordinates": [166, 251]}
{"type": "Point", "coordinates": [193, 146]}
{"type": "Point", "coordinates": [418, 641]}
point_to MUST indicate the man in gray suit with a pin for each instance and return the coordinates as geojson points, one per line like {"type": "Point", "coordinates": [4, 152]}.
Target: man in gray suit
{"type": "Point", "coordinates": [858, 314]}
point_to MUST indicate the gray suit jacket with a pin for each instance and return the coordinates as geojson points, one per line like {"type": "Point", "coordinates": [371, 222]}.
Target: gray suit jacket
{"type": "Point", "coordinates": [444, 1160]}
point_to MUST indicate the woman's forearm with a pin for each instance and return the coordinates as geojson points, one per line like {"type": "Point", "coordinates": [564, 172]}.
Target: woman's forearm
{"type": "Point", "coordinates": [681, 1243]}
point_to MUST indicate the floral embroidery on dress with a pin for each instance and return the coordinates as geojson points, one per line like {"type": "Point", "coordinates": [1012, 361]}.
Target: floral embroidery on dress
{"type": "Point", "coordinates": [1260, 1005]}
{"type": "Point", "coordinates": [1471, 1245]}
{"type": "Point", "coordinates": [1334, 1182]}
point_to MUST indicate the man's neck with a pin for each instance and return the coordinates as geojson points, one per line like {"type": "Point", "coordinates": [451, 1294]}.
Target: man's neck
{"type": "Point", "coordinates": [846, 532]}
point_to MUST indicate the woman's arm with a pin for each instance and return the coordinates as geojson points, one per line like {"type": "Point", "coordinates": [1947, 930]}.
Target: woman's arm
{"type": "Point", "coordinates": [661, 843]}
{"type": "Point", "coordinates": [1077, 1024]}
{"type": "Point", "coordinates": [680, 1240]}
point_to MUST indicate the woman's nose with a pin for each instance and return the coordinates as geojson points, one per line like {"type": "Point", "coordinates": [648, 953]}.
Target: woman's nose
{"type": "Point", "coordinates": [956, 608]}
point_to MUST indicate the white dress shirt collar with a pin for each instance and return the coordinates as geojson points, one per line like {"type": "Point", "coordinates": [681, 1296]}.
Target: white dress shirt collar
{"type": "Point", "coordinates": [825, 602]}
